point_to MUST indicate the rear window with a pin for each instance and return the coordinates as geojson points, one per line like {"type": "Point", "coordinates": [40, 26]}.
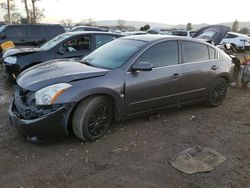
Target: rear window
{"type": "Point", "coordinates": [194, 52]}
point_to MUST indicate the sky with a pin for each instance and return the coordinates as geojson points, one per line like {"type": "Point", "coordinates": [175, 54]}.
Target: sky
{"type": "Point", "coordinates": [161, 11]}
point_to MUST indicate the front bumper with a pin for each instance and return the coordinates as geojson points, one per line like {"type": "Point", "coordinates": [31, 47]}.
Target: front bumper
{"type": "Point", "coordinates": [12, 70]}
{"type": "Point", "coordinates": [51, 126]}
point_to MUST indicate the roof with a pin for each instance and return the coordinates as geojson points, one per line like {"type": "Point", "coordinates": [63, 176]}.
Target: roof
{"type": "Point", "coordinates": [91, 32]}
{"type": "Point", "coordinates": [43, 24]}
{"type": "Point", "coordinates": [154, 37]}
{"type": "Point", "coordinates": [238, 34]}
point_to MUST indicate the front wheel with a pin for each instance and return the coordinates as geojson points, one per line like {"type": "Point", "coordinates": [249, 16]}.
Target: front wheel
{"type": "Point", "coordinates": [217, 93]}
{"type": "Point", "coordinates": [92, 118]}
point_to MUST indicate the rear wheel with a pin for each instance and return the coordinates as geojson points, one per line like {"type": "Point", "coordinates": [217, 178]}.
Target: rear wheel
{"type": "Point", "coordinates": [92, 118]}
{"type": "Point", "coordinates": [217, 93]}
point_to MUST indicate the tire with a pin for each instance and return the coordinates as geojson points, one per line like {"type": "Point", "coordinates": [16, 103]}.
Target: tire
{"type": "Point", "coordinates": [92, 118]}
{"type": "Point", "coordinates": [217, 93]}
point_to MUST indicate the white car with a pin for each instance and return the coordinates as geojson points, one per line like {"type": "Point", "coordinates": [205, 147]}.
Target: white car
{"type": "Point", "coordinates": [241, 42]}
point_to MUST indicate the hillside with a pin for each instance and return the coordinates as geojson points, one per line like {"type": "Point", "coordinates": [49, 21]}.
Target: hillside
{"type": "Point", "coordinates": [138, 24]}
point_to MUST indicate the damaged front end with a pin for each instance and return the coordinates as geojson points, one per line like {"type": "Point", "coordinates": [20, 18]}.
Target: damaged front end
{"type": "Point", "coordinates": [38, 123]}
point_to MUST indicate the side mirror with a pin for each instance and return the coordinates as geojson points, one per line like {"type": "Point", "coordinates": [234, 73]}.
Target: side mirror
{"type": "Point", "coordinates": [142, 66]}
{"type": "Point", "coordinates": [62, 50]}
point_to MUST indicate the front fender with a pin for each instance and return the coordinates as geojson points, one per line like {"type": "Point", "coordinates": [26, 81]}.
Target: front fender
{"type": "Point", "coordinates": [97, 86]}
{"type": "Point", "coordinates": [117, 98]}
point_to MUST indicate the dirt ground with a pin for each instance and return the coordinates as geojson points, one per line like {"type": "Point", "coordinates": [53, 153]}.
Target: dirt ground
{"type": "Point", "coordinates": [133, 153]}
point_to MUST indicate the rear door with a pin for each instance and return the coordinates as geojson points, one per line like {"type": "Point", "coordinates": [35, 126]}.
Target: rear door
{"type": "Point", "coordinates": [200, 66]}
{"type": "Point", "coordinates": [160, 87]}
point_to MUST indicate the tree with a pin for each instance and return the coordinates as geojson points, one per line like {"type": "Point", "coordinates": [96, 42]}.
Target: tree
{"type": "Point", "coordinates": [87, 22]}
{"type": "Point", "coordinates": [189, 26]}
{"type": "Point", "coordinates": [145, 27]}
{"type": "Point", "coordinates": [235, 26]}
{"type": "Point", "coordinates": [90, 22]}
{"type": "Point", "coordinates": [121, 24]}
{"type": "Point", "coordinates": [8, 6]}
{"type": "Point", "coordinates": [36, 14]}
{"type": "Point", "coordinates": [16, 17]}
{"type": "Point", "coordinates": [67, 22]}
{"type": "Point", "coordinates": [27, 10]}
{"type": "Point", "coordinates": [244, 30]}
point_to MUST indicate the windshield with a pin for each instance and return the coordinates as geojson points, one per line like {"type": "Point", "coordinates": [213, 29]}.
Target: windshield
{"type": "Point", "coordinates": [2, 28]}
{"type": "Point", "coordinates": [53, 42]}
{"type": "Point", "coordinates": [210, 35]}
{"type": "Point", "coordinates": [113, 54]}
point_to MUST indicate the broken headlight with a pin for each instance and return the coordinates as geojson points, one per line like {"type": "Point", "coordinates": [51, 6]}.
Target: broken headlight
{"type": "Point", "coordinates": [49, 94]}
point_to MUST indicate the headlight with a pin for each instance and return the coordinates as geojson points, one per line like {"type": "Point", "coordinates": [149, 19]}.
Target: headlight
{"type": "Point", "coordinates": [10, 59]}
{"type": "Point", "coordinates": [48, 95]}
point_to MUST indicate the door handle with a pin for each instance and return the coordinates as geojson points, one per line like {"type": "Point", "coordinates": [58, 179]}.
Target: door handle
{"type": "Point", "coordinates": [176, 76]}
{"type": "Point", "coordinates": [214, 67]}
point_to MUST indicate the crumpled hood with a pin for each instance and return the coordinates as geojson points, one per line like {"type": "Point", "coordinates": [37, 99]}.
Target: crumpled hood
{"type": "Point", "coordinates": [15, 51]}
{"type": "Point", "coordinates": [212, 33]}
{"type": "Point", "coordinates": [56, 71]}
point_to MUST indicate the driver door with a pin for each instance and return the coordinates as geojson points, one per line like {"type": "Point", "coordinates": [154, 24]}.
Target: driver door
{"type": "Point", "coordinates": [75, 48]}
{"type": "Point", "coordinates": [147, 90]}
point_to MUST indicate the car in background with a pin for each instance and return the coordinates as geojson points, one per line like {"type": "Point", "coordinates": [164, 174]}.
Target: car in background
{"type": "Point", "coordinates": [67, 28]}
{"type": "Point", "coordinates": [29, 34]}
{"type": "Point", "coordinates": [158, 30]}
{"type": "Point", "coordinates": [240, 41]}
{"type": "Point", "coordinates": [183, 33]}
{"type": "Point", "coordinates": [71, 45]}
{"type": "Point", "coordinates": [128, 33]}
{"type": "Point", "coordinates": [127, 77]}
{"type": "Point", "coordinates": [88, 28]}
{"type": "Point", "coordinates": [2, 23]}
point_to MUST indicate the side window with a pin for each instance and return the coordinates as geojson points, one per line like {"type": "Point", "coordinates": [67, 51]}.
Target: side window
{"type": "Point", "coordinates": [78, 44]}
{"type": "Point", "coordinates": [36, 32]}
{"type": "Point", "coordinates": [17, 32]}
{"type": "Point", "coordinates": [183, 33]}
{"type": "Point", "coordinates": [161, 54]}
{"type": "Point", "coordinates": [53, 31]}
{"type": "Point", "coordinates": [230, 36]}
{"type": "Point", "coordinates": [103, 39]}
{"type": "Point", "coordinates": [194, 52]}
{"type": "Point", "coordinates": [212, 53]}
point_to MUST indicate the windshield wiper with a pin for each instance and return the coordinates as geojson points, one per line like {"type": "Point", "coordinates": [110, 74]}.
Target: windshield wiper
{"type": "Point", "coordinates": [91, 65]}
{"type": "Point", "coordinates": [87, 63]}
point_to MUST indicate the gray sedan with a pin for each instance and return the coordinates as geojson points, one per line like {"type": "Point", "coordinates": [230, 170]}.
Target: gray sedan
{"type": "Point", "coordinates": [127, 77]}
